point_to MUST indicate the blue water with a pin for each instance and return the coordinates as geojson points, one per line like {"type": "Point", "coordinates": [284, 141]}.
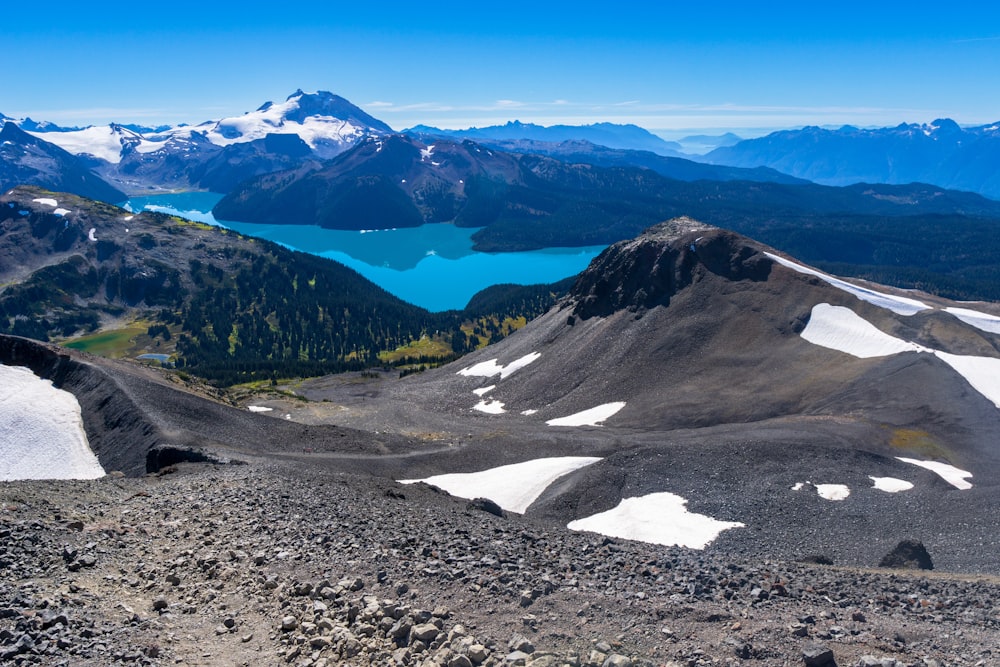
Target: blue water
{"type": "Point", "coordinates": [432, 266]}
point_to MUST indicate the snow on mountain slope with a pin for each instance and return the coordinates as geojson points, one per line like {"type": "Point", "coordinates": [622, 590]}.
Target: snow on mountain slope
{"type": "Point", "coordinates": [41, 430]}
{"type": "Point", "coordinates": [839, 328]}
{"type": "Point", "coordinates": [513, 487]}
{"type": "Point", "coordinates": [327, 123]}
{"type": "Point", "coordinates": [107, 142]}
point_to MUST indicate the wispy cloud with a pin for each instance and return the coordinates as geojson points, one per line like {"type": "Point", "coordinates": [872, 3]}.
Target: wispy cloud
{"type": "Point", "coordinates": [994, 38]}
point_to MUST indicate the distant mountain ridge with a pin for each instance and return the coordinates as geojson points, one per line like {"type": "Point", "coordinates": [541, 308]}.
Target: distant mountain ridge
{"type": "Point", "coordinates": [27, 160]}
{"type": "Point", "coordinates": [216, 155]}
{"type": "Point", "coordinates": [940, 153]}
{"type": "Point", "coordinates": [612, 135]}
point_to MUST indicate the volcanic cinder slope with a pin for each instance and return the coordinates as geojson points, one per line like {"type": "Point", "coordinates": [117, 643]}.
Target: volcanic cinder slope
{"type": "Point", "coordinates": [695, 388]}
{"type": "Point", "coordinates": [696, 362]}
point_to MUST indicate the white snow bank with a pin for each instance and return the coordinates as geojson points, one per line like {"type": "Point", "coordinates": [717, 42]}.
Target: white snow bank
{"type": "Point", "coordinates": [827, 491]}
{"type": "Point", "coordinates": [890, 484]}
{"type": "Point", "coordinates": [948, 473]}
{"type": "Point", "coordinates": [92, 234]}
{"type": "Point", "coordinates": [46, 201]}
{"type": "Point", "coordinates": [592, 417]}
{"type": "Point", "coordinates": [513, 487]}
{"type": "Point", "coordinates": [982, 321]}
{"type": "Point", "coordinates": [833, 491]}
{"type": "Point", "coordinates": [259, 408]}
{"type": "Point", "coordinates": [528, 412]}
{"type": "Point", "coordinates": [490, 368]}
{"type": "Point", "coordinates": [102, 141]}
{"type": "Point", "coordinates": [840, 328]}
{"type": "Point", "coordinates": [658, 518]}
{"type": "Point", "coordinates": [62, 211]}
{"type": "Point", "coordinates": [482, 391]}
{"type": "Point", "coordinates": [897, 304]}
{"type": "Point", "coordinates": [41, 430]}
{"type": "Point", "coordinates": [490, 407]}
{"type": "Point", "coordinates": [983, 373]}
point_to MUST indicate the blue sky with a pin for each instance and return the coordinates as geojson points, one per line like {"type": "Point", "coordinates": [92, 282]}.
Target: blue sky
{"type": "Point", "coordinates": [673, 68]}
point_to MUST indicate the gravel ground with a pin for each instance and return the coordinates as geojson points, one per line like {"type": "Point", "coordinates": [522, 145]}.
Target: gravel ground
{"type": "Point", "coordinates": [270, 564]}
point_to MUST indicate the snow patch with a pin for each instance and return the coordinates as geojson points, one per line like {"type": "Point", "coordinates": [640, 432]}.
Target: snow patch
{"type": "Point", "coordinates": [513, 487]}
{"type": "Point", "coordinates": [41, 430]}
{"type": "Point", "coordinates": [840, 328]}
{"type": "Point", "coordinates": [490, 368]}
{"type": "Point", "coordinates": [983, 373]}
{"type": "Point", "coordinates": [490, 407]}
{"type": "Point", "coordinates": [890, 484]}
{"type": "Point", "coordinates": [91, 234]}
{"type": "Point", "coordinates": [897, 304]}
{"type": "Point", "coordinates": [62, 211]}
{"type": "Point", "coordinates": [528, 413]}
{"type": "Point", "coordinates": [827, 491]}
{"type": "Point", "coordinates": [982, 321]}
{"type": "Point", "coordinates": [482, 391]}
{"type": "Point", "coordinates": [259, 408]}
{"type": "Point", "coordinates": [833, 491]}
{"type": "Point", "coordinates": [46, 201]}
{"type": "Point", "coordinates": [658, 518]}
{"type": "Point", "coordinates": [592, 417]}
{"type": "Point", "coordinates": [948, 473]}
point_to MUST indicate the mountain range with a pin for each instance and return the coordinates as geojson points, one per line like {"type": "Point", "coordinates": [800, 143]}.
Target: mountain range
{"type": "Point", "coordinates": [610, 135]}
{"type": "Point", "coordinates": [311, 159]}
{"type": "Point", "coordinates": [941, 153]}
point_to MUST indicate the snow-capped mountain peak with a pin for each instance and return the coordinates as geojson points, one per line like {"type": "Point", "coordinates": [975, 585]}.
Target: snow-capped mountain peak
{"type": "Point", "coordinates": [326, 122]}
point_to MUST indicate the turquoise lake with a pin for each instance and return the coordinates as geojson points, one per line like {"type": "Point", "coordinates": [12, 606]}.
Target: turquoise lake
{"type": "Point", "coordinates": [432, 266]}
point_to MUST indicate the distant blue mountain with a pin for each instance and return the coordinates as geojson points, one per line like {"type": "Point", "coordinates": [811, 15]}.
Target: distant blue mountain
{"type": "Point", "coordinates": [939, 153]}
{"type": "Point", "coordinates": [611, 135]}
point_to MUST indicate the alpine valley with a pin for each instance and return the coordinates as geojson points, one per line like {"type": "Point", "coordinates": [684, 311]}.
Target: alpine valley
{"type": "Point", "coordinates": [744, 434]}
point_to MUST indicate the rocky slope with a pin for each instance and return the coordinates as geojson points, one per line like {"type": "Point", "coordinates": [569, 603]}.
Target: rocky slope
{"type": "Point", "coordinates": [27, 160]}
{"type": "Point", "coordinates": [287, 540]}
{"type": "Point", "coordinates": [264, 564]}
{"type": "Point", "coordinates": [694, 340]}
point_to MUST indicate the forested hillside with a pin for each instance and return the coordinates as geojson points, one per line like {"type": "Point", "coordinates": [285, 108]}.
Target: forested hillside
{"type": "Point", "coordinates": [224, 306]}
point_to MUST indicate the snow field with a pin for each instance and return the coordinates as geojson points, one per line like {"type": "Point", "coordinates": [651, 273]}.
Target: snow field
{"type": "Point", "coordinates": [841, 329]}
{"type": "Point", "coordinates": [41, 430]}
{"type": "Point", "coordinates": [948, 473]}
{"type": "Point", "coordinates": [982, 321]}
{"type": "Point", "coordinates": [592, 417]}
{"type": "Point", "coordinates": [658, 518]}
{"type": "Point", "coordinates": [513, 487]}
{"type": "Point", "coordinates": [890, 484]}
{"type": "Point", "coordinates": [490, 368]}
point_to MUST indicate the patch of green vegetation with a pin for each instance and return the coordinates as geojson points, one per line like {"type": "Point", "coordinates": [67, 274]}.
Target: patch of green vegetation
{"type": "Point", "coordinates": [917, 442]}
{"type": "Point", "coordinates": [115, 344]}
{"type": "Point", "coordinates": [424, 347]}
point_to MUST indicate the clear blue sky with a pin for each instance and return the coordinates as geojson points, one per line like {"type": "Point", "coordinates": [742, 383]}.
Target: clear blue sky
{"type": "Point", "coordinates": [450, 64]}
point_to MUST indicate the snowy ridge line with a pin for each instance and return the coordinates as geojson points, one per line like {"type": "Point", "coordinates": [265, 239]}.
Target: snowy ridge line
{"type": "Point", "coordinates": [897, 304]}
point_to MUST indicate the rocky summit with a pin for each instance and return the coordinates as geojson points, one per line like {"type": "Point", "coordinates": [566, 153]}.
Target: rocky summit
{"type": "Point", "coordinates": [707, 454]}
